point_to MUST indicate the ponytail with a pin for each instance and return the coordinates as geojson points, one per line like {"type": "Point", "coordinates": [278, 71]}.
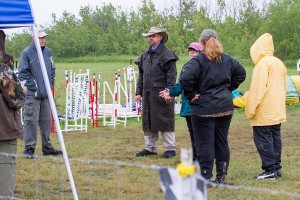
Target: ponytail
{"type": "Point", "coordinates": [213, 49]}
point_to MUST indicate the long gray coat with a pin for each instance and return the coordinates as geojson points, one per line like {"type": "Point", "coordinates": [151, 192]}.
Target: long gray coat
{"type": "Point", "coordinates": [157, 71]}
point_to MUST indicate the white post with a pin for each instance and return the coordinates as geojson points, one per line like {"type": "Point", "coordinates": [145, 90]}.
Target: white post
{"type": "Point", "coordinates": [125, 83]}
{"type": "Point", "coordinates": [186, 157]}
{"type": "Point", "coordinates": [130, 74]}
{"type": "Point", "coordinates": [54, 112]}
{"type": "Point", "coordinates": [67, 107]}
{"type": "Point", "coordinates": [99, 87]}
{"type": "Point", "coordinates": [119, 87]}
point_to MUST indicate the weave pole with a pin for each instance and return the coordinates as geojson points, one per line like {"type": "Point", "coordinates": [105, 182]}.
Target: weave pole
{"type": "Point", "coordinates": [52, 119]}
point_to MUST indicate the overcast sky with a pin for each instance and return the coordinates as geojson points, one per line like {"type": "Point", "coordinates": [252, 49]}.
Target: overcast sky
{"type": "Point", "coordinates": [43, 9]}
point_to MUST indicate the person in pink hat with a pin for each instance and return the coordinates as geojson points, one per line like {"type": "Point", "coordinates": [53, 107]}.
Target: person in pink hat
{"type": "Point", "coordinates": [173, 91]}
{"type": "Point", "coordinates": [194, 49]}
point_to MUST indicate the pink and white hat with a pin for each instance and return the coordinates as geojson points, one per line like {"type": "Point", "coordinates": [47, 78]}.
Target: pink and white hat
{"type": "Point", "coordinates": [196, 46]}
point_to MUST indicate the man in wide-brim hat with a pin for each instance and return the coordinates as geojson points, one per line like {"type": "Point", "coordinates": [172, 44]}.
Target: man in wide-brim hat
{"type": "Point", "coordinates": [157, 71]}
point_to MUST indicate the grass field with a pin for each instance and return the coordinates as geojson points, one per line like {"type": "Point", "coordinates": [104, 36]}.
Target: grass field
{"type": "Point", "coordinates": [104, 165]}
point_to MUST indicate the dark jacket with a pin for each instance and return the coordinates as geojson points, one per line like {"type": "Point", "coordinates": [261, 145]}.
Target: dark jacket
{"type": "Point", "coordinates": [213, 81]}
{"type": "Point", "coordinates": [10, 121]}
{"type": "Point", "coordinates": [157, 71]}
{"type": "Point", "coordinates": [30, 70]}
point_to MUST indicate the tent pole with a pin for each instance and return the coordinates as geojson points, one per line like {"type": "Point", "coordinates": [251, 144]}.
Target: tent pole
{"type": "Point", "coordinates": [53, 110]}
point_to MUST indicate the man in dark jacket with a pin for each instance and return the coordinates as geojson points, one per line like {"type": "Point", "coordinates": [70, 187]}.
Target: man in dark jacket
{"type": "Point", "coordinates": [157, 71]}
{"type": "Point", "coordinates": [37, 106]}
{"type": "Point", "coordinates": [10, 127]}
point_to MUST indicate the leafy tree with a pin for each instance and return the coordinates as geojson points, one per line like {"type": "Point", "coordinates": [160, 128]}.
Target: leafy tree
{"type": "Point", "coordinates": [107, 30]}
{"type": "Point", "coordinates": [183, 30]}
{"type": "Point", "coordinates": [283, 23]}
{"type": "Point", "coordinates": [16, 44]}
{"type": "Point", "coordinates": [62, 34]}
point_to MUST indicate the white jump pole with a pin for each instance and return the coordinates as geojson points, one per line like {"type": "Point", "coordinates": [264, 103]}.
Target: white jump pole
{"type": "Point", "coordinates": [54, 112]}
{"type": "Point", "coordinates": [130, 79]}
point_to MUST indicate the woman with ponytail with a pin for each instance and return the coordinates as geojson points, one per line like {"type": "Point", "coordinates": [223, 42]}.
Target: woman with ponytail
{"type": "Point", "coordinates": [208, 80]}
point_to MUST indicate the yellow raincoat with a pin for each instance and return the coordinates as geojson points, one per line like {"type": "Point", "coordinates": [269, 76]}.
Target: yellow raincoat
{"type": "Point", "coordinates": [266, 99]}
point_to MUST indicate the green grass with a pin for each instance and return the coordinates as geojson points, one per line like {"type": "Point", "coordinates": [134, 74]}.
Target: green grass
{"type": "Point", "coordinates": [100, 175]}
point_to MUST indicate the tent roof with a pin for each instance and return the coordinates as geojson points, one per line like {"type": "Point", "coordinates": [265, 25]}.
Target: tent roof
{"type": "Point", "coordinates": [15, 13]}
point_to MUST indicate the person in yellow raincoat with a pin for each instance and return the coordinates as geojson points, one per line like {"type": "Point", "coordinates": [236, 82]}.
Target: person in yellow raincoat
{"type": "Point", "coordinates": [265, 106]}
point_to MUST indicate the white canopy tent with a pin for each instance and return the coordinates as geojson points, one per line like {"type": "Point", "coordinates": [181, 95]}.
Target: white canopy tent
{"type": "Point", "coordinates": [18, 13]}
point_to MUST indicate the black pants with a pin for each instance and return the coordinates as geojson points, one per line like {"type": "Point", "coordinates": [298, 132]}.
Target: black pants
{"type": "Point", "coordinates": [267, 140]}
{"type": "Point", "coordinates": [210, 134]}
{"type": "Point", "coordinates": [190, 127]}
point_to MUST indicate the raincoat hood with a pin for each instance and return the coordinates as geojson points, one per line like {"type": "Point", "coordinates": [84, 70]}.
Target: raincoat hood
{"type": "Point", "coordinates": [262, 47]}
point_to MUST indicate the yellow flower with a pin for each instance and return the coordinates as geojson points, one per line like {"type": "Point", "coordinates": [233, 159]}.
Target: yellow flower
{"type": "Point", "coordinates": [185, 170]}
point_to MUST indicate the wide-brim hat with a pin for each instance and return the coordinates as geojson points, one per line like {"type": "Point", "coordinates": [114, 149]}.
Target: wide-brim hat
{"type": "Point", "coordinates": [156, 30]}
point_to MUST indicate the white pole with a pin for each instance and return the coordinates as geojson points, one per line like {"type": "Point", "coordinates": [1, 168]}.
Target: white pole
{"type": "Point", "coordinates": [67, 107]}
{"type": "Point", "coordinates": [130, 79]}
{"type": "Point", "coordinates": [119, 87]}
{"type": "Point", "coordinates": [186, 157]}
{"type": "Point", "coordinates": [54, 112]}
{"type": "Point", "coordinates": [125, 85]}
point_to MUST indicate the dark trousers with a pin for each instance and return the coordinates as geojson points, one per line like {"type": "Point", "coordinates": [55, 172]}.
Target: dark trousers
{"type": "Point", "coordinates": [190, 127]}
{"type": "Point", "coordinates": [210, 134]}
{"type": "Point", "coordinates": [267, 140]}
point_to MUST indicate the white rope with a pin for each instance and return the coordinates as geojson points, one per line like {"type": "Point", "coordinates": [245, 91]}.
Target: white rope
{"type": "Point", "coordinates": [157, 167]}
{"type": "Point", "coordinates": [10, 198]}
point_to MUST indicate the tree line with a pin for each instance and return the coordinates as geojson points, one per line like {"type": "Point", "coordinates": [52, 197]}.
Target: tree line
{"type": "Point", "coordinates": [108, 30]}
